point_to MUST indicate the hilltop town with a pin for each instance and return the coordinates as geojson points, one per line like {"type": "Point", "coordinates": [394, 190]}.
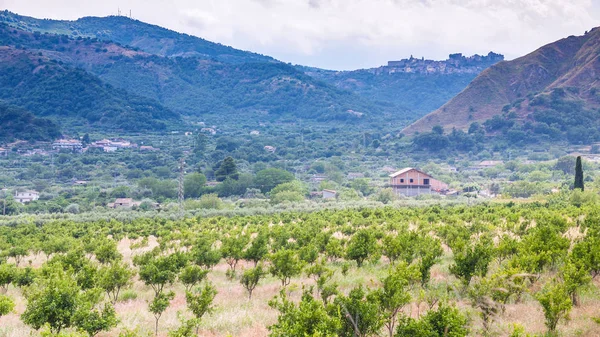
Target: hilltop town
{"type": "Point", "coordinates": [455, 64]}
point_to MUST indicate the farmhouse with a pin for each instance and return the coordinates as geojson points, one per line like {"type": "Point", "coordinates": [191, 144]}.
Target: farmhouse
{"type": "Point", "coordinates": [413, 182]}
{"type": "Point", "coordinates": [67, 144]}
{"type": "Point", "coordinates": [123, 202]}
{"type": "Point", "coordinates": [329, 194]}
{"type": "Point", "coordinates": [26, 196]}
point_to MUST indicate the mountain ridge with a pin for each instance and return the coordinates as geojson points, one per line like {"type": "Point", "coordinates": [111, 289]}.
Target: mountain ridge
{"type": "Point", "coordinates": [153, 39]}
{"type": "Point", "coordinates": [512, 86]}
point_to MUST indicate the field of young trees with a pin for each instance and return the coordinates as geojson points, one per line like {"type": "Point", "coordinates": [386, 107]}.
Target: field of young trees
{"type": "Point", "coordinates": [492, 269]}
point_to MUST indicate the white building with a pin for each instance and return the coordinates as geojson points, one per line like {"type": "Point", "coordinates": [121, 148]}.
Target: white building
{"type": "Point", "coordinates": [67, 144]}
{"type": "Point", "coordinates": [329, 194]}
{"type": "Point", "coordinates": [26, 196]}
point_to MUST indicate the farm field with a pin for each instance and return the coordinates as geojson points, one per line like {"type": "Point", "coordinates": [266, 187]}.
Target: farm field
{"type": "Point", "coordinates": [493, 269]}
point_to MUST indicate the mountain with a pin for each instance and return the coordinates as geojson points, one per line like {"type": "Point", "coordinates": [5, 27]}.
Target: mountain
{"type": "Point", "coordinates": [197, 86]}
{"type": "Point", "coordinates": [51, 88]}
{"type": "Point", "coordinates": [549, 94]}
{"type": "Point", "coordinates": [146, 37]}
{"type": "Point", "coordinates": [420, 85]}
{"type": "Point", "coordinates": [17, 123]}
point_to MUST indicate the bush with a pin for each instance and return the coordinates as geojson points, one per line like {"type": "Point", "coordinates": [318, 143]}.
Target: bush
{"type": "Point", "coordinates": [128, 295]}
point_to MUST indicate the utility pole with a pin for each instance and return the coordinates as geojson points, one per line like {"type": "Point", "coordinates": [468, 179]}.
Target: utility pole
{"type": "Point", "coordinates": [180, 187]}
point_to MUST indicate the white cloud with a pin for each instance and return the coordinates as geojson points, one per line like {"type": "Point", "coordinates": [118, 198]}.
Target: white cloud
{"type": "Point", "coordinates": [347, 34]}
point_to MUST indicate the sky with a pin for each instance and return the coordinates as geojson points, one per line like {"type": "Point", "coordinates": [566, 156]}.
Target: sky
{"type": "Point", "coordinates": [349, 34]}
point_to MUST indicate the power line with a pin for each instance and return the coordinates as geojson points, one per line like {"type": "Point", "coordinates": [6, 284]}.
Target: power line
{"type": "Point", "coordinates": [180, 187]}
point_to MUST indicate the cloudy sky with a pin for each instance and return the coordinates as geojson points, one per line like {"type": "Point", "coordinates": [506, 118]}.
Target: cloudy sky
{"type": "Point", "coordinates": [349, 34]}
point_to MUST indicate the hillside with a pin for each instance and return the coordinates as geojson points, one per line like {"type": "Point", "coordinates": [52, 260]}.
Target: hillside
{"type": "Point", "coordinates": [549, 94]}
{"type": "Point", "coordinates": [194, 86]}
{"type": "Point", "coordinates": [17, 123]}
{"type": "Point", "coordinates": [51, 88]}
{"type": "Point", "coordinates": [123, 30]}
{"type": "Point", "coordinates": [419, 85]}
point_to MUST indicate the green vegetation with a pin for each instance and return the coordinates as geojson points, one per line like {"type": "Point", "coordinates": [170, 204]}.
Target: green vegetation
{"type": "Point", "coordinates": [73, 289]}
{"type": "Point", "coordinates": [17, 123]}
{"type": "Point", "coordinates": [50, 88]}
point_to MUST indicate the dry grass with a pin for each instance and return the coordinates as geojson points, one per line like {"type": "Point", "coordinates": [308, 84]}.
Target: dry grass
{"type": "Point", "coordinates": [235, 315]}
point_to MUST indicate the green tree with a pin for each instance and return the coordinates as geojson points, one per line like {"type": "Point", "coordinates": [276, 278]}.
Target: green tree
{"type": "Point", "coordinates": [53, 300]}
{"type": "Point", "coordinates": [575, 276]}
{"type": "Point", "coordinates": [385, 196]}
{"type": "Point", "coordinates": [200, 303]}
{"type": "Point", "coordinates": [267, 179]}
{"type": "Point", "coordinates": [8, 275]}
{"type": "Point", "coordinates": [193, 184]}
{"type": "Point", "coordinates": [308, 318]}
{"type": "Point", "coordinates": [361, 246]}
{"type": "Point", "coordinates": [200, 144]}
{"type": "Point", "coordinates": [191, 275]}
{"type": "Point", "coordinates": [556, 303]}
{"type": "Point", "coordinates": [94, 320]}
{"type": "Point", "coordinates": [204, 253]}
{"type": "Point", "coordinates": [285, 264]}
{"type": "Point", "coordinates": [6, 305]}
{"type": "Point", "coordinates": [158, 305]}
{"type": "Point", "coordinates": [232, 248]}
{"type": "Point", "coordinates": [360, 310]}
{"type": "Point", "coordinates": [258, 249]}
{"type": "Point", "coordinates": [578, 174]}
{"type": "Point", "coordinates": [394, 293]}
{"type": "Point", "coordinates": [471, 259]}
{"type": "Point", "coordinates": [251, 277]}
{"type": "Point", "coordinates": [158, 271]}
{"type": "Point", "coordinates": [113, 278]}
{"type": "Point", "coordinates": [227, 169]}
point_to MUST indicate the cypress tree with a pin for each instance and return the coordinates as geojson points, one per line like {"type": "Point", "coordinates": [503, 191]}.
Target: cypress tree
{"type": "Point", "coordinates": [228, 169]}
{"type": "Point", "coordinates": [578, 174]}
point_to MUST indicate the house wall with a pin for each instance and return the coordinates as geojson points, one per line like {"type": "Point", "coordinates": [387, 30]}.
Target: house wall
{"type": "Point", "coordinates": [405, 179]}
{"type": "Point", "coordinates": [411, 191]}
{"type": "Point", "coordinates": [437, 185]}
{"type": "Point", "coordinates": [328, 195]}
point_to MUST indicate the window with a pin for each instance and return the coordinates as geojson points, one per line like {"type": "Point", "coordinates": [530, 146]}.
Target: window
{"type": "Point", "coordinates": [411, 180]}
{"type": "Point", "coordinates": [425, 181]}
{"type": "Point", "coordinates": [401, 180]}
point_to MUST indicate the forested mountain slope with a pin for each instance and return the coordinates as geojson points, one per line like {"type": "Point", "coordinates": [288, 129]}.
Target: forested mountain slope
{"type": "Point", "coordinates": [51, 88]}
{"type": "Point", "coordinates": [195, 86]}
{"type": "Point", "coordinates": [17, 123]}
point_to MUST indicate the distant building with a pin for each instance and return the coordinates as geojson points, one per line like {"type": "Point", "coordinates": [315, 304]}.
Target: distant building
{"type": "Point", "coordinates": [412, 182]}
{"type": "Point", "coordinates": [209, 130]}
{"type": "Point", "coordinates": [255, 133]}
{"type": "Point", "coordinates": [329, 194]}
{"type": "Point", "coordinates": [80, 183]}
{"type": "Point", "coordinates": [355, 175]}
{"type": "Point", "coordinates": [486, 164]}
{"type": "Point", "coordinates": [3, 152]}
{"type": "Point", "coordinates": [26, 196]}
{"type": "Point", "coordinates": [314, 195]}
{"type": "Point", "coordinates": [148, 148]}
{"type": "Point", "coordinates": [270, 148]}
{"type": "Point", "coordinates": [388, 169]}
{"type": "Point", "coordinates": [113, 145]}
{"type": "Point", "coordinates": [317, 178]}
{"type": "Point", "coordinates": [123, 203]}
{"type": "Point", "coordinates": [67, 144]}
